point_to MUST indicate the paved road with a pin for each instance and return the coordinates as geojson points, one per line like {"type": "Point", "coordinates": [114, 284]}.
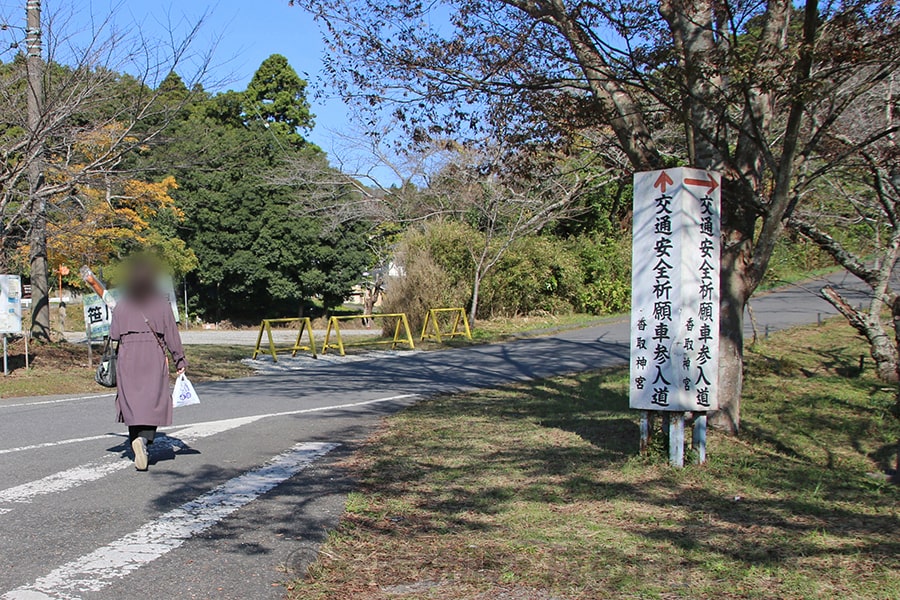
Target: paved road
{"type": "Point", "coordinates": [239, 337]}
{"type": "Point", "coordinates": [243, 488]}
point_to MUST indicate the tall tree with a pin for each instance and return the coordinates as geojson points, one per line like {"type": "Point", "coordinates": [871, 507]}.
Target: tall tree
{"type": "Point", "coordinates": [72, 89]}
{"type": "Point", "coordinates": [750, 90]}
{"type": "Point", "coordinates": [854, 215]}
{"type": "Point", "coordinates": [277, 96]}
{"type": "Point", "coordinates": [503, 196]}
{"type": "Point", "coordinates": [257, 254]}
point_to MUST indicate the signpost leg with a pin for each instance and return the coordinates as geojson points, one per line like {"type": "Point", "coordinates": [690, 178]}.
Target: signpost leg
{"type": "Point", "coordinates": [187, 322]}
{"type": "Point", "coordinates": [87, 332]}
{"type": "Point", "coordinates": [645, 431]}
{"type": "Point", "coordinates": [5, 365]}
{"type": "Point", "coordinates": [698, 439]}
{"type": "Point", "coordinates": [676, 439]}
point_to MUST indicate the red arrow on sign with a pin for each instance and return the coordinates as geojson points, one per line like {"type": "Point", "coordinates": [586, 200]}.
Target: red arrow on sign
{"type": "Point", "coordinates": [663, 181]}
{"type": "Point", "coordinates": [709, 183]}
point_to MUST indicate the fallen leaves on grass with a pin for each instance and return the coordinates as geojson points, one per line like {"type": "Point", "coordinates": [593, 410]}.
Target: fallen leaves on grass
{"type": "Point", "coordinates": [538, 492]}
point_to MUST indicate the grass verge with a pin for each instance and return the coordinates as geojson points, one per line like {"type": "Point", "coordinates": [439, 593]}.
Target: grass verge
{"type": "Point", "coordinates": [62, 368]}
{"type": "Point", "coordinates": [538, 492]}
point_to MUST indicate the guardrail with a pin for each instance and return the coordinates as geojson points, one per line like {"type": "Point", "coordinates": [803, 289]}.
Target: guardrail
{"type": "Point", "coordinates": [335, 327]}
{"type": "Point", "coordinates": [266, 327]}
{"type": "Point", "coordinates": [458, 316]}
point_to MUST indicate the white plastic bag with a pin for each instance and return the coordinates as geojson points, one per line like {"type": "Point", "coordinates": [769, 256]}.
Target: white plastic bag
{"type": "Point", "coordinates": [184, 393]}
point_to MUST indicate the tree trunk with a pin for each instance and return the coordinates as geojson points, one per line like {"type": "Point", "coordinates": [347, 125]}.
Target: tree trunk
{"type": "Point", "coordinates": [732, 299]}
{"type": "Point", "coordinates": [885, 357]}
{"type": "Point", "coordinates": [883, 350]}
{"type": "Point", "coordinates": [40, 272]}
{"type": "Point", "coordinates": [40, 276]}
{"type": "Point", "coordinates": [370, 298]}
{"type": "Point", "coordinates": [895, 313]}
{"type": "Point", "coordinates": [473, 308]}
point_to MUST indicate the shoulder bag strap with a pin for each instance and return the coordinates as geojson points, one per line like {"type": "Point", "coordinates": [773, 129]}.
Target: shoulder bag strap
{"type": "Point", "coordinates": [156, 337]}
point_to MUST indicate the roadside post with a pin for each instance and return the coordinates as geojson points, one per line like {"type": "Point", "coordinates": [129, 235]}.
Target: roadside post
{"type": "Point", "coordinates": [90, 349]}
{"type": "Point", "coordinates": [675, 304]}
{"type": "Point", "coordinates": [10, 312]}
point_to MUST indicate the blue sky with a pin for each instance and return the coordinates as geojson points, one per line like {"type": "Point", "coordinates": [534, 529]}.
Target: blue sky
{"type": "Point", "coordinates": [246, 33]}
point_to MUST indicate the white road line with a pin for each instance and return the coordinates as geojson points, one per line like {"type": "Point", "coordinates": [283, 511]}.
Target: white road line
{"type": "Point", "coordinates": [246, 420]}
{"type": "Point", "coordinates": [59, 443]}
{"type": "Point", "coordinates": [59, 482]}
{"type": "Point", "coordinates": [59, 401]}
{"type": "Point", "coordinates": [99, 569]}
{"type": "Point", "coordinates": [93, 471]}
{"type": "Point", "coordinates": [71, 478]}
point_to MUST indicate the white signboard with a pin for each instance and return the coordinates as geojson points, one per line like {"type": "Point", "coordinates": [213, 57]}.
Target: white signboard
{"type": "Point", "coordinates": [97, 315]}
{"type": "Point", "coordinates": [675, 290]}
{"type": "Point", "coordinates": [167, 287]}
{"type": "Point", "coordinates": [10, 304]}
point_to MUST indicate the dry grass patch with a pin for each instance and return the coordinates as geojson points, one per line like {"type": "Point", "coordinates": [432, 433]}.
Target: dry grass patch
{"type": "Point", "coordinates": [62, 368]}
{"type": "Point", "coordinates": [537, 491]}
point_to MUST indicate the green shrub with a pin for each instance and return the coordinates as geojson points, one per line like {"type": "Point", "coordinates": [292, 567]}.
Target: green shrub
{"type": "Point", "coordinates": [424, 285]}
{"type": "Point", "coordinates": [450, 245]}
{"type": "Point", "coordinates": [537, 274]}
{"type": "Point", "coordinates": [606, 265]}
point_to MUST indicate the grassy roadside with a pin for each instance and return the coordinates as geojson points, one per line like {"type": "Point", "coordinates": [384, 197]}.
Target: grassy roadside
{"type": "Point", "coordinates": [796, 277]}
{"type": "Point", "coordinates": [491, 331]}
{"type": "Point", "coordinates": [536, 492]}
{"type": "Point", "coordinates": [63, 369]}
{"type": "Point", "coordinates": [499, 329]}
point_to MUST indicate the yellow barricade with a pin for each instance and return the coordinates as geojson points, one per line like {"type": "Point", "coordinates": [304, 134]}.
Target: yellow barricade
{"type": "Point", "coordinates": [402, 326]}
{"type": "Point", "coordinates": [458, 315]}
{"type": "Point", "coordinates": [266, 327]}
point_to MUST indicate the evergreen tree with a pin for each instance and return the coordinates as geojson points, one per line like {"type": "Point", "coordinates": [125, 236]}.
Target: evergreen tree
{"type": "Point", "coordinates": [259, 255]}
{"type": "Point", "coordinates": [277, 96]}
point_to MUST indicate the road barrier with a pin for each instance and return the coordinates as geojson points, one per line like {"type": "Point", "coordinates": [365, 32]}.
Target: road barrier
{"type": "Point", "coordinates": [334, 325]}
{"type": "Point", "coordinates": [266, 327]}
{"type": "Point", "coordinates": [457, 315]}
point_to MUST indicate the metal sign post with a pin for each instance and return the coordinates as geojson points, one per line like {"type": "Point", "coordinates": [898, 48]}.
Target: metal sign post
{"type": "Point", "coordinates": [675, 301]}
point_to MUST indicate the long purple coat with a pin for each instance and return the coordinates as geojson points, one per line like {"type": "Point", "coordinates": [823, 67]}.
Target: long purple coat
{"type": "Point", "coordinates": [144, 396]}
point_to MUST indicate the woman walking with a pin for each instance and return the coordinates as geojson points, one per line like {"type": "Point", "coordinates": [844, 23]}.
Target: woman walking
{"type": "Point", "coordinates": [144, 326]}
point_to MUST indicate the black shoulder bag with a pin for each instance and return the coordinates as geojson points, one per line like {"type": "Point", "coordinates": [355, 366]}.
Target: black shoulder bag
{"type": "Point", "coordinates": [106, 370]}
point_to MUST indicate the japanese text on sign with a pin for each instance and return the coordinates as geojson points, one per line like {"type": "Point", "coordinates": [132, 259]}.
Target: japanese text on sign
{"type": "Point", "coordinates": [97, 315]}
{"type": "Point", "coordinates": [675, 290]}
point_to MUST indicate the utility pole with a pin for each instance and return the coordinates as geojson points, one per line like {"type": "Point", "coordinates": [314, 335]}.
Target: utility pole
{"type": "Point", "coordinates": [40, 276]}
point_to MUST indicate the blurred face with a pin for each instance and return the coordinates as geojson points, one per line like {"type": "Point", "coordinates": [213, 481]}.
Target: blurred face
{"type": "Point", "coordinates": [142, 279]}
